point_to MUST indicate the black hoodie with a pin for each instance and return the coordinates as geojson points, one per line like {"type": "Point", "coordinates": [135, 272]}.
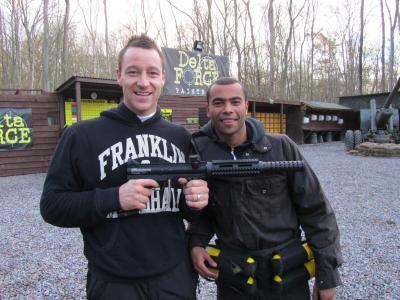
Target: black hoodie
{"type": "Point", "coordinates": [81, 190]}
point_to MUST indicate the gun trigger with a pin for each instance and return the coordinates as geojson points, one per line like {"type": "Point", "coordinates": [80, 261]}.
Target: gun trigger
{"type": "Point", "coordinates": [194, 161]}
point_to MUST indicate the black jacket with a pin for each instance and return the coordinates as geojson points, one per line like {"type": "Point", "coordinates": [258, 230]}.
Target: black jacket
{"type": "Point", "coordinates": [81, 190]}
{"type": "Point", "coordinates": [263, 212]}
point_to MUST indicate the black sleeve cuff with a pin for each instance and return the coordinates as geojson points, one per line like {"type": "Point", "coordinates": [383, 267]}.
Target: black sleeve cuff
{"type": "Point", "coordinates": [328, 280]}
{"type": "Point", "coordinates": [198, 241]}
{"type": "Point", "coordinates": [107, 200]}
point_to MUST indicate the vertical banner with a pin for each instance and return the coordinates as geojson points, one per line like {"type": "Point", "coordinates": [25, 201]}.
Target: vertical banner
{"type": "Point", "coordinates": [189, 73]}
{"type": "Point", "coordinates": [15, 128]}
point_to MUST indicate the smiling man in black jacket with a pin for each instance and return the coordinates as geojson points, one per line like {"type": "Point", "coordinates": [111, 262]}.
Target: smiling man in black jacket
{"type": "Point", "coordinates": [255, 216]}
{"type": "Point", "coordinates": [141, 254]}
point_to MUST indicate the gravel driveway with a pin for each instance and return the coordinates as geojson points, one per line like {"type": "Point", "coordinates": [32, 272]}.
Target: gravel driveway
{"type": "Point", "coordinates": [40, 261]}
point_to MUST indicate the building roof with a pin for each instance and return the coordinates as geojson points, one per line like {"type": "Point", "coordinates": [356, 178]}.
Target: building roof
{"type": "Point", "coordinates": [275, 101]}
{"type": "Point", "coordinates": [325, 105]}
{"type": "Point", "coordinates": [104, 88]}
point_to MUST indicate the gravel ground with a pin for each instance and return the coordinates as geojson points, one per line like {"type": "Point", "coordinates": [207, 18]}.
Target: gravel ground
{"type": "Point", "coordinates": [40, 261]}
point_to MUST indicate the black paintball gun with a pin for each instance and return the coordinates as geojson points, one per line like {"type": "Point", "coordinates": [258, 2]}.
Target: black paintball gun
{"type": "Point", "coordinates": [196, 169]}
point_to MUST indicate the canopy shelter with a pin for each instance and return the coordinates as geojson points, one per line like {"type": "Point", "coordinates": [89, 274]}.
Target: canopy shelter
{"type": "Point", "coordinates": [78, 88]}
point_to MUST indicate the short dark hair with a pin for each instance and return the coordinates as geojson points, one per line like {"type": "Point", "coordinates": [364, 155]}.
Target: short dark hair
{"type": "Point", "coordinates": [226, 81]}
{"type": "Point", "coordinates": [140, 41]}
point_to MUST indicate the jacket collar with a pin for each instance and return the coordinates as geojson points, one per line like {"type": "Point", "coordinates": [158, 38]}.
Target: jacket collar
{"type": "Point", "coordinates": [124, 114]}
{"type": "Point", "coordinates": [256, 137]}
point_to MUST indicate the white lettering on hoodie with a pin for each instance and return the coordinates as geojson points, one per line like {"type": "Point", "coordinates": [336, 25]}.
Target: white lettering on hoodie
{"type": "Point", "coordinates": [142, 146]}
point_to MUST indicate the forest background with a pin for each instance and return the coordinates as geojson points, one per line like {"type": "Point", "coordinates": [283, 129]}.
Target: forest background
{"type": "Point", "coordinates": [287, 49]}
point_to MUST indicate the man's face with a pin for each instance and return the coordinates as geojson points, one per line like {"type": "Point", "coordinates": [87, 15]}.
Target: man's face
{"type": "Point", "coordinates": [227, 108]}
{"type": "Point", "coordinates": [142, 78]}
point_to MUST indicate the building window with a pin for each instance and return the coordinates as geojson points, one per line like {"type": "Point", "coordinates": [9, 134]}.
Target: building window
{"type": "Point", "coordinates": [52, 118]}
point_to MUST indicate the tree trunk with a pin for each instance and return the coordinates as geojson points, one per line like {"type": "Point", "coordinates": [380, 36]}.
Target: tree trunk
{"type": "Point", "coordinates": [45, 78]}
{"type": "Point", "coordinates": [223, 40]}
{"type": "Point", "coordinates": [272, 41]}
{"type": "Point", "coordinates": [164, 37]}
{"type": "Point", "coordinates": [311, 80]}
{"type": "Point", "coordinates": [254, 48]}
{"type": "Point", "coordinates": [283, 85]}
{"type": "Point", "coordinates": [383, 83]}
{"type": "Point", "coordinates": [64, 54]}
{"type": "Point", "coordinates": [15, 46]}
{"type": "Point", "coordinates": [360, 49]}
{"type": "Point", "coordinates": [146, 29]}
{"type": "Point", "coordinates": [285, 88]}
{"type": "Point", "coordinates": [236, 41]}
{"type": "Point", "coordinates": [2, 50]}
{"type": "Point", "coordinates": [109, 71]}
{"type": "Point", "coordinates": [392, 38]}
{"type": "Point", "coordinates": [210, 30]}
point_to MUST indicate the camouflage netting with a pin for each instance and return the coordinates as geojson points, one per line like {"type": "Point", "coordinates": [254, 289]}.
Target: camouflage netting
{"type": "Point", "coordinates": [374, 149]}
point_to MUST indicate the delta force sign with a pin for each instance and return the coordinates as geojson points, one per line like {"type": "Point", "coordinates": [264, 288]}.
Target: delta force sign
{"type": "Point", "coordinates": [189, 73]}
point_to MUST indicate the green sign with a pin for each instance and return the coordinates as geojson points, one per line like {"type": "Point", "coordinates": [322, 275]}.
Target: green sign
{"type": "Point", "coordinates": [15, 128]}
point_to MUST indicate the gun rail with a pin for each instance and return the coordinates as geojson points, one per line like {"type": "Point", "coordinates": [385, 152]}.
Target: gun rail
{"type": "Point", "coordinates": [215, 168]}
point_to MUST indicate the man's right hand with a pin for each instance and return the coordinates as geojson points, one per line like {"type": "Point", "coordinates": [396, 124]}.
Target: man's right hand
{"type": "Point", "coordinates": [199, 257]}
{"type": "Point", "coordinates": [134, 194]}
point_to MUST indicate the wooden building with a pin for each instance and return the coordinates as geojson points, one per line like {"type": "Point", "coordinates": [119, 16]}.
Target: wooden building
{"type": "Point", "coordinates": [44, 131]}
{"type": "Point", "coordinates": [325, 121]}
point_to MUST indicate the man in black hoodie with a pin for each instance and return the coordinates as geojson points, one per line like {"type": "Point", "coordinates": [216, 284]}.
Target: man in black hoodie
{"type": "Point", "coordinates": [133, 231]}
{"type": "Point", "coordinates": [254, 216]}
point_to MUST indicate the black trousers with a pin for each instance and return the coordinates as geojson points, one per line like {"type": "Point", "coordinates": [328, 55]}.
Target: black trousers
{"type": "Point", "coordinates": [300, 292]}
{"type": "Point", "coordinates": [177, 284]}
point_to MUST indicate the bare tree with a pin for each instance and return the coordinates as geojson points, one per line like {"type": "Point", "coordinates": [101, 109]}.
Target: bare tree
{"type": "Point", "coordinates": [64, 54]}
{"type": "Point", "coordinates": [348, 36]}
{"type": "Point", "coordinates": [109, 71]}
{"type": "Point", "coordinates": [272, 46]}
{"type": "Point", "coordinates": [2, 50]}
{"type": "Point", "coordinates": [245, 49]}
{"type": "Point", "coordinates": [392, 38]}
{"type": "Point", "coordinates": [254, 48]}
{"type": "Point", "coordinates": [306, 36]}
{"type": "Point", "coordinates": [90, 17]}
{"type": "Point", "coordinates": [383, 83]}
{"type": "Point", "coordinates": [210, 30]}
{"type": "Point", "coordinates": [196, 21]}
{"type": "Point", "coordinates": [200, 29]}
{"type": "Point", "coordinates": [292, 19]}
{"type": "Point", "coordinates": [223, 37]}
{"type": "Point", "coordinates": [15, 45]}
{"type": "Point", "coordinates": [144, 17]}
{"type": "Point", "coordinates": [45, 77]}
{"type": "Point", "coordinates": [293, 59]}
{"type": "Point", "coordinates": [236, 40]}
{"type": "Point", "coordinates": [313, 35]}
{"type": "Point", "coordinates": [163, 29]}
{"type": "Point", "coordinates": [361, 48]}
{"type": "Point", "coordinates": [30, 31]}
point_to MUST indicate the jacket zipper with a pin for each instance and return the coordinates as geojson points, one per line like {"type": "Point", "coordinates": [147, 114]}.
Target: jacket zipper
{"type": "Point", "coordinates": [233, 153]}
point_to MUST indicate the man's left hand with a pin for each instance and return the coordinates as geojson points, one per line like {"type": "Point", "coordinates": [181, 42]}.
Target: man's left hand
{"type": "Point", "coordinates": [196, 192]}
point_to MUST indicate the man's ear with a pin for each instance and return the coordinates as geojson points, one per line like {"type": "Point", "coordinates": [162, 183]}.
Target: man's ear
{"type": "Point", "coordinates": [246, 103]}
{"type": "Point", "coordinates": [118, 75]}
{"type": "Point", "coordinates": [163, 77]}
{"type": "Point", "coordinates": [208, 109]}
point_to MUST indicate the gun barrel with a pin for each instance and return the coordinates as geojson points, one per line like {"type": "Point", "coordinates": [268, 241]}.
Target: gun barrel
{"type": "Point", "coordinates": [250, 167]}
{"type": "Point", "coordinates": [392, 94]}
